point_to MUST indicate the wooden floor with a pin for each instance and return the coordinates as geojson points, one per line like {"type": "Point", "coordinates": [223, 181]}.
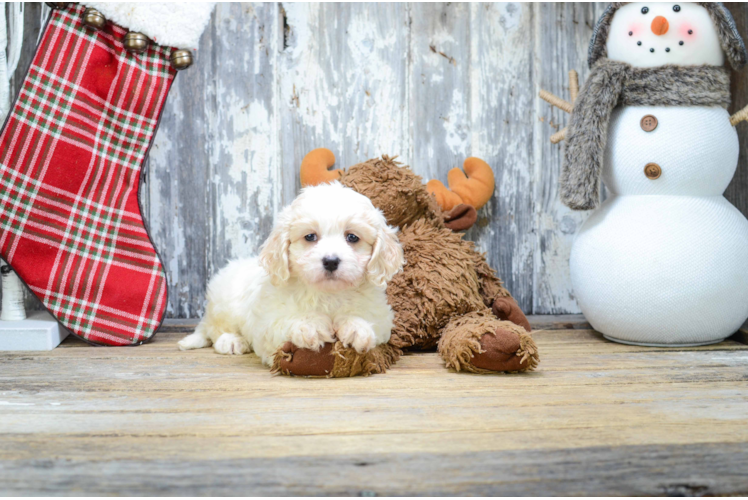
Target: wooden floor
{"type": "Point", "coordinates": [596, 418]}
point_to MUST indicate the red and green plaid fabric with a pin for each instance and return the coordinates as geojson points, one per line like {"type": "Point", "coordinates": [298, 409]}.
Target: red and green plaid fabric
{"type": "Point", "coordinates": [71, 154]}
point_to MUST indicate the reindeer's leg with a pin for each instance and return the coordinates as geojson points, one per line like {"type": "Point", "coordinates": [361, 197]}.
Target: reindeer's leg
{"type": "Point", "coordinates": [495, 296]}
{"type": "Point", "coordinates": [478, 342]}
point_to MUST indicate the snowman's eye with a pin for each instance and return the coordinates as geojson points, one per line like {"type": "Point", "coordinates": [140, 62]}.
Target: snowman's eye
{"type": "Point", "coordinates": [645, 10]}
{"type": "Point", "coordinates": [676, 8]}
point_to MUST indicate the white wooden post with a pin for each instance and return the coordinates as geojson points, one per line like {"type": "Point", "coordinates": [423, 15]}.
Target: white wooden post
{"type": "Point", "coordinates": [12, 306]}
{"type": "Point", "coordinates": [38, 332]}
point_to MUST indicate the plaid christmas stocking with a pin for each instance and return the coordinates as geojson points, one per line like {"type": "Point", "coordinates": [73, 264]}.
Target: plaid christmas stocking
{"type": "Point", "coordinates": [71, 153]}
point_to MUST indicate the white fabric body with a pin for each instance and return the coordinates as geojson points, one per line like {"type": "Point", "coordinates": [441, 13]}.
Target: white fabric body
{"type": "Point", "coordinates": [700, 46]}
{"type": "Point", "coordinates": [665, 261]}
{"type": "Point", "coordinates": [696, 147]}
{"type": "Point", "coordinates": [663, 269]}
{"type": "Point", "coordinates": [169, 24]}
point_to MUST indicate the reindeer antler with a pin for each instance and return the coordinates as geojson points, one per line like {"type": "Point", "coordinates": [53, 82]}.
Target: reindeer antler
{"type": "Point", "coordinates": [561, 104]}
{"type": "Point", "coordinates": [315, 168]}
{"type": "Point", "coordinates": [474, 189]}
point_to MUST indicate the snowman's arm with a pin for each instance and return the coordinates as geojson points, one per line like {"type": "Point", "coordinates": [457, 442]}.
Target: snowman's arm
{"type": "Point", "coordinates": [555, 100]}
{"type": "Point", "coordinates": [561, 104]}
{"type": "Point", "coordinates": [740, 116]}
{"type": "Point", "coordinates": [559, 136]}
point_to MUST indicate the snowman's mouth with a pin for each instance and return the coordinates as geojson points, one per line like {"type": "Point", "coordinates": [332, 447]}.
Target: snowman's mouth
{"type": "Point", "coordinates": [653, 49]}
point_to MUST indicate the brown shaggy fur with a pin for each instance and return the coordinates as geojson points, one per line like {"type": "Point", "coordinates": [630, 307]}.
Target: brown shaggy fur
{"type": "Point", "coordinates": [439, 281]}
{"type": "Point", "coordinates": [464, 346]}
{"type": "Point", "coordinates": [397, 192]}
{"type": "Point", "coordinates": [443, 276]}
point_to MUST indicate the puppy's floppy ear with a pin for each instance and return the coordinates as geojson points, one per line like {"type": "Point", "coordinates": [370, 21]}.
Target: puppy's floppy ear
{"type": "Point", "coordinates": [387, 255]}
{"type": "Point", "coordinates": [274, 253]}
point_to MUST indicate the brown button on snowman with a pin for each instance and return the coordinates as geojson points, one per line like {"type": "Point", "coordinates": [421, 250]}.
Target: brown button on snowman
{"type": "Point", "coordinates": [648, 123]}
{"type": "Point", "coordinates": [651, 124]}
{"type": "Point", "coordinates": [652, 171]}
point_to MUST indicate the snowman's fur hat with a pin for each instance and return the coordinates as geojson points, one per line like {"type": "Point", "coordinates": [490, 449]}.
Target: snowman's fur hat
{"type": "Point", "coordinates": [729, 38]}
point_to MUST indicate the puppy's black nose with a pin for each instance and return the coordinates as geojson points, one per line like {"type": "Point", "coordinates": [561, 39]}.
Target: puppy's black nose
{"type": "Point", "coordinates": [330, 263]}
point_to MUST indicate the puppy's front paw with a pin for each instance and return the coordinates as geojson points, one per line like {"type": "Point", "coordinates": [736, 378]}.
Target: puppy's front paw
{"type": "Point", "coordinates": [194, 341]}
{"type": "Point", "coordinates": [312, 333]}
{"type": "Point", "coordinates": [231, 343]}
{"type": "Point", "coordinates": [357, 333]}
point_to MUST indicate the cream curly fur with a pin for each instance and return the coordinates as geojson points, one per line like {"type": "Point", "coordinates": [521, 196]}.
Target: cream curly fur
{"type": "Point", "coordinates": [288, 294]}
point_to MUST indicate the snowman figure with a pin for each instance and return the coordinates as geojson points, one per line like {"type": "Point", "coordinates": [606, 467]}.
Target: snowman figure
{"type": "Point", "coordinates": [664, 260]}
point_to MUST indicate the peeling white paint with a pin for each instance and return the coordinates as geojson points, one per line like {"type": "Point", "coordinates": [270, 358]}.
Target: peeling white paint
{"type": "Point", "coordinates": [557, 48]}
{"type": "Point", "coordinates": [308, 88]}
{"type": "Point", "coordinates": [455, 125]}
{"type": "Point", "coordinates": [344, 88]}
{"type": "Point", "coordinates": [163, 216]}
{"type": "Point", "coordinates": [511, 16]}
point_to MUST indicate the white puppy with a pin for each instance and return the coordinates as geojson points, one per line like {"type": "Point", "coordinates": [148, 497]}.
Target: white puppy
{"type": "Point", "coordinates": [321, 276]}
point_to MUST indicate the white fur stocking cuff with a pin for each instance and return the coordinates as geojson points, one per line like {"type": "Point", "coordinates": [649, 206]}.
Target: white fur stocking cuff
{"type": "Point", "coordinates": [169, 24]}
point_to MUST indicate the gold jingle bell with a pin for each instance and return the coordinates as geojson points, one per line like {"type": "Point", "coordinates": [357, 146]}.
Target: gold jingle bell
{"type": "Point", "coordinates": [181, 59]}
{"type": "Point", "coordinates": [135, 42]}
{"type": "Point", "coordinates": [94, 19]}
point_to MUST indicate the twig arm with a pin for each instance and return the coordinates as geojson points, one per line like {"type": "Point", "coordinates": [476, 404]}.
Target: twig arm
{"type": "Point", "coordinates": [559, 136]}
{"type": "Point", "coordinates": [740, 116]}
{"type": "Point", "coordinates": [573, 85]}
{"type": "Point", "coordinates": [563, 105]}
{"type": "Point", "coordinates": [555, 101]}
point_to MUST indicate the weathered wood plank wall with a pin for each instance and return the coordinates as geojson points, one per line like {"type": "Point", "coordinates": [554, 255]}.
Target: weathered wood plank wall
{"type": "Point", "coordinates": [432, 83]}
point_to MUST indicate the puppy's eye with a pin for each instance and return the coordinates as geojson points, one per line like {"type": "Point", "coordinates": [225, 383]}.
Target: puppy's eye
{"type": "Point", "coordinates": [645, 10]}
{"type": "Point", "coordinates": [676, 8]}
{"type": "Point", "coordinates": [351, 238]}
{"type": "Point", "coordinates": [311, 237]}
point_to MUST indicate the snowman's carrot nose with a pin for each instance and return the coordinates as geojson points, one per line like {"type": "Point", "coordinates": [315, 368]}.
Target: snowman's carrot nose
{"type": "Point", "coordinates": [659, 25]}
